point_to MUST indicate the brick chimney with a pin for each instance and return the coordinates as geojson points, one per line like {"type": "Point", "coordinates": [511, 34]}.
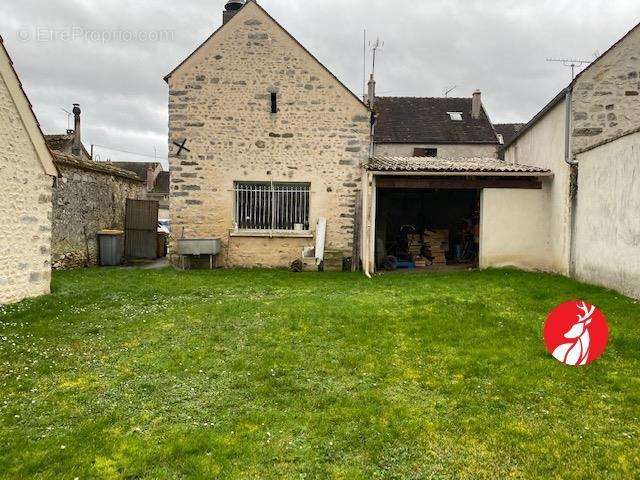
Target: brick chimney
{"type": "Point", "coordinates": [230, 9]}
{"type": "Point", "coordinates": [77, 134]}
{"type": "Point", "coordinates": [476, 105]}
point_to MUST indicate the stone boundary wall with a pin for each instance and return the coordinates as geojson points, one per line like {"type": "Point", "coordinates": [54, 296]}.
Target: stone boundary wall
{"type": "Point", "coordinates": [85, 202]}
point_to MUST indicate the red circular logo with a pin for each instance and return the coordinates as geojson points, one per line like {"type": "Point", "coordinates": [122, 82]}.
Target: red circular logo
{"type": "Point", "coordinates": [576, 333]}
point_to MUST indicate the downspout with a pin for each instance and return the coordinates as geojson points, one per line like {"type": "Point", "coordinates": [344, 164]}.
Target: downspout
{"type": "Point", "coordinates": [570, 159]}
{"type": "Point", "coordinates": [364, 237]}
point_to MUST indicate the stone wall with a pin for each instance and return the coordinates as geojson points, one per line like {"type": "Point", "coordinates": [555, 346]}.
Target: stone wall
{"type": "Point", "coordinates": [25, 234]}
{"type": "Point", "coordinates": [84, 202]}
{"type": "Point", "coordinates": [444, 151]}
{"type": "Point", "coordinates": [606, 97]}
{"type": "Point", "coordinates": [220, 101]}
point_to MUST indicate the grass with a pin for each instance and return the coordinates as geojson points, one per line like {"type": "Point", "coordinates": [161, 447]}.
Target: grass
{"type": "Point", "coordinates": [269, 374]}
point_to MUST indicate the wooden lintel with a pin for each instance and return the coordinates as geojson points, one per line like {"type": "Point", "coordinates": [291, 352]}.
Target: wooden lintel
{"type": "Point", "coordinates": [459, 183]}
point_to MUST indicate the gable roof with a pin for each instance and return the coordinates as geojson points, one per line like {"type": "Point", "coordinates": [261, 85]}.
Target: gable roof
{"type": "Point", "coordinates": [426, 120]}
{"type": "Point", "coordinates": [234, 18]}
{"type": "Point", "coordinates": [561, 96]}
{"type": "Point", "coordinates": [25, 110]}
{"type": "Point", "coordinates": [508, 130]}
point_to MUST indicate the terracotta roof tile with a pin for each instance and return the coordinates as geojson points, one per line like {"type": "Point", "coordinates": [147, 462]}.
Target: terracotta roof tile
{"type": "Point", "coordinates": [470, 165]}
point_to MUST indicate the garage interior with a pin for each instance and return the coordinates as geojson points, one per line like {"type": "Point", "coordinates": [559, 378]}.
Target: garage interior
{"type": "Point", "coordinates": [427, 228]}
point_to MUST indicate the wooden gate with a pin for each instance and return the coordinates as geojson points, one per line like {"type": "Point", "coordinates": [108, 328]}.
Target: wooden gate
{"type": "Point", "coordinates": [141, 229]}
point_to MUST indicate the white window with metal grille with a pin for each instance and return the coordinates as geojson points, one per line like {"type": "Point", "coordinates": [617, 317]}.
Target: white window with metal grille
{"type": "Point", "coordinates": [270, 206]}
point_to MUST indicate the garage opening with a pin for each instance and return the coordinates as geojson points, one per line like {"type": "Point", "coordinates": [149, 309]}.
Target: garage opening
{"type": "Point", "coordinates": [427, 229]}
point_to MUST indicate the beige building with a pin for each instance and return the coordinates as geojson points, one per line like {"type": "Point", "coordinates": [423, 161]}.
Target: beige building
{"type": "Point", "coordinates": [28, 172]}
{"type": "Point", "coordinates": [273, 142]}
{"type": "Point", "coordinates": [588, 136]}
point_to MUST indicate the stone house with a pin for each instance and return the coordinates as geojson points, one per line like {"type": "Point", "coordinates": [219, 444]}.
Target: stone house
{"type": "Point", "coordinates": [88, 197]}
{"type": "Point", "coordinates": [28, 172]}
{"type": "Point", "coordinates": [589, 136]}
{"type": "Point", "coordinates": [434, 127]}
{"type": "Point", "coordinates": [274, 142]}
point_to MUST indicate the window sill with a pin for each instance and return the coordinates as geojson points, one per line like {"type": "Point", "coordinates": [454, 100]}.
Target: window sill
{"type": "Point", "coordinates": [272, 234]}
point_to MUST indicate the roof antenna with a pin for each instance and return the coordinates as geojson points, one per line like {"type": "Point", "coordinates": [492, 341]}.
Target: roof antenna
{"type": "Point", "coordinates": [364, 65]}
{"type": "Point", "coordinates": [568, 62]}
{"type": "Point", "coordinates": [448, 90]}
{"type": "Point", "coordinates": [375, 46]}
{"type": "Point", "coordinates": [68, 118]}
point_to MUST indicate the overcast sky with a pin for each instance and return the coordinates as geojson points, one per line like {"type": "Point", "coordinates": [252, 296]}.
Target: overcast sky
{"type": "Point", "coordinates": [111, 55]}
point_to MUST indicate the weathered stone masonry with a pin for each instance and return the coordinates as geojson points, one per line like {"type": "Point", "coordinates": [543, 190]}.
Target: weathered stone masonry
{"type": "Point", "coordinates": [606, 97]}
{"type": "Point", "coordinates": [219, 101]}
{"type": "Point", "coordinates": [87, 198]}
{"type": "Point", "coordinates": [25, 208]}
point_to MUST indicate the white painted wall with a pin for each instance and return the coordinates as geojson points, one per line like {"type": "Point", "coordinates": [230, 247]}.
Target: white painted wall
{"type": "Point", "coordinates": [514, 229]}
{"type": "Point", "coordinates": [444, 151]}
{"type": "Point", "coordinates": [543, 146]}
{"type": "Point", "coordinates": [607, 242]}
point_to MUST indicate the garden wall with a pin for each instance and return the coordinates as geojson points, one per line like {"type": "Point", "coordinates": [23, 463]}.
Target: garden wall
{"type": "Point", "coordinates": [89, 197]}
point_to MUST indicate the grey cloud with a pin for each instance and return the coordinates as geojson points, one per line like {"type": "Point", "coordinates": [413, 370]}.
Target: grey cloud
{"type": "Point", "coordinates": [498, 46]}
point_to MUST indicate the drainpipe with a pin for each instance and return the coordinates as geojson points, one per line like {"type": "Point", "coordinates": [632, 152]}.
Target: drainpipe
{"type": "Point", "coordinates": [573, 178]}
{"type": "Point", "coordinates": [366, 231]}
{"type": "Point", "coordinates": [568, 143]}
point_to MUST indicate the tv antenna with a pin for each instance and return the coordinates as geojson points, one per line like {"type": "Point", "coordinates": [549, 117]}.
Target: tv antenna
{"type": "Point", "coordinates": [569, 62]}
{"type": "Point", "coordinates": [68, 117]}
{"type": "Point", "coordinates": [375, 46]}
{"type": "Point", "coordinates": [448, 90]}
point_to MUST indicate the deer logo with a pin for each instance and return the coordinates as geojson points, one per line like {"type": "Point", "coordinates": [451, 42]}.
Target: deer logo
{"type": "Point", "coordinates": [576, 333]}
{"type": "Point", "coordinates": [576, 352]}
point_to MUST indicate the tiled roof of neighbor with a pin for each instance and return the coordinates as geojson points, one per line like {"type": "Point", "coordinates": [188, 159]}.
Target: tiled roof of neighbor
{"type": "Point", "coordinates": [58, 142]}
{"type": "Point", "coordinates": [426, 120]}
{"type": "Point", "coordinates": [508, 130]}
{"type": "Point", "coordinates": [140, 168]}
{"type": "Point", "coordinates": [86, 164]}
{"type": "Point", "coordinates": [444, 165]}
{"type": "Point", "coordinates": [61, 142]}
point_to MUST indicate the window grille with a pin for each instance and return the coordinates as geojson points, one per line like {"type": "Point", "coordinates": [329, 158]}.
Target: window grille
{"type": "Point", "coordinates": [265, 206]}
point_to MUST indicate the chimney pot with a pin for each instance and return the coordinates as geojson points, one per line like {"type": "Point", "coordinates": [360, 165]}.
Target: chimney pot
{"type": "Point", "coordinates": [476, 104]}
{"type": "Point", "coordinates": [230, 9]}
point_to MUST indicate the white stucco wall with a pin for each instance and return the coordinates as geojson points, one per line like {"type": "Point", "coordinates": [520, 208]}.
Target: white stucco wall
{"type": "Point", "coordinates": [544, 146]}
{"type": "Point", "coordinates": [514, 229]}
{"type": "Point", "coordinates": [444, 151]}
{"type": "Point", "coordinates": [607, 242]}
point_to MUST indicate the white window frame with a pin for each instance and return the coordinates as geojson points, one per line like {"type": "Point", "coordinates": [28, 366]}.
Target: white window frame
{"type": "Point", "coordinates": [271, 208]}
{"type": "Point", "coordinates": [455, 116]}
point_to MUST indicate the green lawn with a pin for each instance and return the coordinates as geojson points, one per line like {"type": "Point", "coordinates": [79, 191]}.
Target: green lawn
{"type": "Point", "coordinates": [269, 374]}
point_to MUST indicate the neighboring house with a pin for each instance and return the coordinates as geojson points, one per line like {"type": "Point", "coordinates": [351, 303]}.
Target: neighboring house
{"type": "Point", "coordinates": [434, 127]}
{"type": "Point", "coordinates": [274, 143]}
{"type": "Point", "coordinates": [28, 173]}
{"type": "Point", "coordinates": [589, 136]}
{"type": "Point", "coordinates": [88, 197]}
{"type": "Point", "coordinates": [155, 179]}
